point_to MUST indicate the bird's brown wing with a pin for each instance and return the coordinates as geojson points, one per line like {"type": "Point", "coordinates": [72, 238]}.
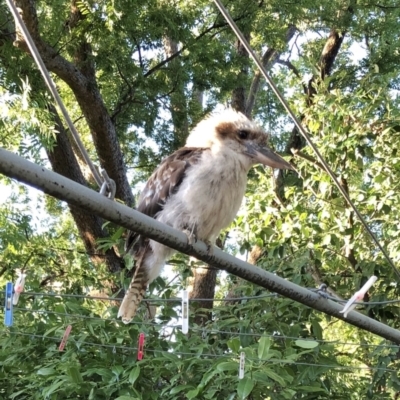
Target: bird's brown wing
{"type": "Point", "coordinates": [164, 182]}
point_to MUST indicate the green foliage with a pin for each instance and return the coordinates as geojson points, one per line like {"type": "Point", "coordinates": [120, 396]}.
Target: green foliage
{"type": "Point", "coordinates": [100, 357]}
{"type": "Point", "coordinates": [304, 228]}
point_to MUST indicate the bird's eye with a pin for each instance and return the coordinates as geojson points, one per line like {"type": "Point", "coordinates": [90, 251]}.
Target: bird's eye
{"type": "Point", "coordinates": [243, 134]}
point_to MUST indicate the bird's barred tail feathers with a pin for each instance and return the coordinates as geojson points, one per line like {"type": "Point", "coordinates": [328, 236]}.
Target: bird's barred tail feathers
{"type": "Point", "coordinates": [134, 294]}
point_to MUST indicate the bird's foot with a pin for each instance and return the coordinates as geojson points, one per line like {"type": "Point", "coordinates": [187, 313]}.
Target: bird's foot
{"type": "Point", "coordinates": [191, 236]}
{"type": "Point", "coordinates": [210, 247]}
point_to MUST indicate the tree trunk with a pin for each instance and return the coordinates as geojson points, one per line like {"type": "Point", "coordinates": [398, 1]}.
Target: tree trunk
{"type": "Point", "coordinates": [63, 161]}
{"type": "Point", "coordinates": [203, 287]}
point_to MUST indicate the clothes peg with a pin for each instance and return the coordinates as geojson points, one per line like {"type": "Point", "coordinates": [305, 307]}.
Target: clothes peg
{"type": "Point", "coordinates": [140, 347]}
{"type": "Point", "coordinates": [358, 296]}
{"type": "Point", "coordinates": [65, 338]}
{"type": "Point", "coordinates": [185, 312]}
{"type": "Point", "coordinates": [8, 309]}
{"type": "Point", "coordinates": [18, 288]}
{"type": "Point", "coordinates": [241, 364]}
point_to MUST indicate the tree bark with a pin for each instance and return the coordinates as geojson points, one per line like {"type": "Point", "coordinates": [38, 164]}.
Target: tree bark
{"type": "Point", "coordinates": [63, 161]}
{"type": "Point", "coordinates": [203, 287]}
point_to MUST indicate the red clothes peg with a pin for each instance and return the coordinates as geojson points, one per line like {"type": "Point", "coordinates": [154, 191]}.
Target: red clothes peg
{"type": "Point", "coordinates": [140, 347]}
{"type": "Point", "coordinates": [65, 338]}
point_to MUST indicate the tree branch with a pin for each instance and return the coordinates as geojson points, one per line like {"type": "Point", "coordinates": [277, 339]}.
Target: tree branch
{"type": "Point", "coordinates": [269, 58]}
{"type": "Point", "coordinates": [312, 160]}
{"type": "Point", "coordinates": [126, 99]}
{"type": "Point", "coordinates": [88, 97]}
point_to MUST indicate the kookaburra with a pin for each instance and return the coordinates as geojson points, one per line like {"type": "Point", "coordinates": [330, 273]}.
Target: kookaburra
{"type": "Point", "coordinates": [197, 189]}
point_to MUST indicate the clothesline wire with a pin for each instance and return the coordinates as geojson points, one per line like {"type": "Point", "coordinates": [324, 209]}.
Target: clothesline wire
{"type": "Point", "coordinates": [205, 331]}
{"type": "Point", "coordinates": [119, 347]}
{"type": "Point", "coordinates": [148, 300]}
{"type": "Point", "coordinates": [178, 300]}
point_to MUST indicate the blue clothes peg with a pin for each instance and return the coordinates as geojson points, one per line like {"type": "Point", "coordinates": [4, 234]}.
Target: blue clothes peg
{"type": "Point", "coordinates": [8, 317]}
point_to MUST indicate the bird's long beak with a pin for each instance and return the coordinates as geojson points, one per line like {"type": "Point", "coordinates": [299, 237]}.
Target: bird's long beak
{"type": "Point", "coordinates": [264, 155]}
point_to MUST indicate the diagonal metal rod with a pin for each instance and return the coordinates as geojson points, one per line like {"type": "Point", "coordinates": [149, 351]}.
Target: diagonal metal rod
{"type": "Point", "coordinates": [52, 88]}
{"type": "Point", "coordinates": [65, 189]}
{"type": "Point", "coordinates": [301, 129]}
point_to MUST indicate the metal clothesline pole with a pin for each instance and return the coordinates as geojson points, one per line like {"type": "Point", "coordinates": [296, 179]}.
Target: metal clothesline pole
{"type": "Point", "coordinates": [72, 192]}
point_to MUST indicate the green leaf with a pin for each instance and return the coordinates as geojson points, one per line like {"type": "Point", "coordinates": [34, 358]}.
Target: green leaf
{"type": "Point", "coordinates": [263, 347]}
{"type": "Point", "coordinates": [117, 370]}
{"type": "Point", "coordinates": [245, 340]}
{"type": "Point", "coordinates": [306, 344]}
{"type": "Point", "coordinates": [245, 387]}
{"type": "Point", "coordinates": [274, 376]}
{"type": "Point", "coordinates": [207, 377]}
{"type": "Point", "coordinates": [229, 322]}
{"type": "Point", "coordinates": [118, 234]}
{"type": "Point", "coordinates": [312, 389]}
{"type": "Point", "coordinates": [180, 388]}
{"type": "Point", "coordinates": [74, 374]}
{"type": "Point", "coordinates": [133, 375]}
{"type": "Point", "coordinates": [234, 344]}
{"type": "Point", "coordinates": [16, 394]}
{"type": "Point", "coordinates": [61, 309]}
{"type": "Point", "coordinates": [326, 241]}
{"type": "Point", "coordinates": [125, 397]}
{"type": "Point", "coordinates": [192, 394]}
{"type": "Point", "coordinates": [317, 330]}
{"type": "Point", "coordinates": [170, 356]}
{"type": "Point", "coordinates": [228, 366]}
{"type": "Point", "coordinates": [53, 388]}
{"type": "Point", "coordinates": [46, 371]}
{"type": "Point", "coordinates": [128, 259]}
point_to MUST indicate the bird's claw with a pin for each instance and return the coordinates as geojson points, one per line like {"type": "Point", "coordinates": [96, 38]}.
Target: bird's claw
{"type": "Point", "coordinates": [191, 236]}
{"type": "Point", "coordinates": [210, 247]}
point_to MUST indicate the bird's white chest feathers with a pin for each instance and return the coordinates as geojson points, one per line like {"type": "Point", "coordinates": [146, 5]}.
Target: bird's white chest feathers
{"type": "Point", "coordinates": [209, 196]}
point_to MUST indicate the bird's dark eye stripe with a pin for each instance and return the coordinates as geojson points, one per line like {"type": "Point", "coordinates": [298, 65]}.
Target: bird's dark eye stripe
{"type": "Point", "coordinates": [243, 134]}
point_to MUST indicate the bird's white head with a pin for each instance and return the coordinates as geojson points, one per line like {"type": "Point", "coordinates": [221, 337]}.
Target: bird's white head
{"type": "Point", "coordinates": [231, 131]}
